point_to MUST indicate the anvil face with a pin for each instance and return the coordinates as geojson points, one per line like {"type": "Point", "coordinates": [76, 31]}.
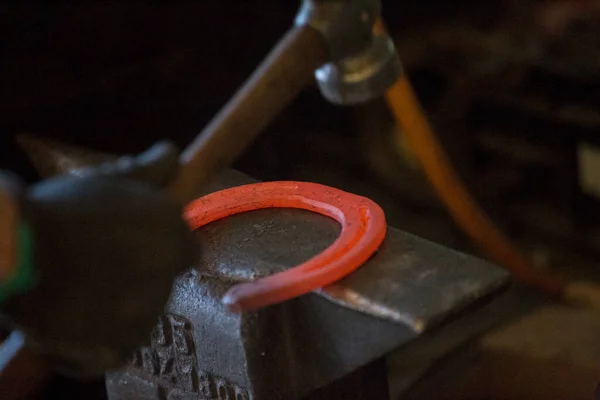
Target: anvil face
{"type": "Point", "coordinates": [201, 351]}
{"type": "Point", "coordinates": [288, 350]}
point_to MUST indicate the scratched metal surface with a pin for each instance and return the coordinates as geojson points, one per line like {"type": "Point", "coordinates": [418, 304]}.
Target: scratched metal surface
{"type": "Point", "coordinates": [201, 351]}
{"type": "Point", "coordinates": [416, 282]}
{"type": "Point", "coordinates": [409, 280]}
{"type": "Point", "coordinates": [400, 284]}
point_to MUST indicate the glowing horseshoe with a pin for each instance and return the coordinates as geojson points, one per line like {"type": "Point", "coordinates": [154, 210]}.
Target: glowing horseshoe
{"type": "Point", "coordinates": [363, 229]}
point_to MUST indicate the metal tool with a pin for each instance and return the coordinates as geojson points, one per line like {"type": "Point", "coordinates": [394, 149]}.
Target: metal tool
{"type": "Point", "coordinates": [373, 290]}
{"type": "Point", "coordinates": [202, 351]}
{"type": "Point", "coordinates": [333, 37]}
{"type": "Point", "coordinates": [291, 349]}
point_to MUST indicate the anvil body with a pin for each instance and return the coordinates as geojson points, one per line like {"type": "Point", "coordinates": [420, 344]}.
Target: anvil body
{"type": "Point", "coordinates": [201, 351]}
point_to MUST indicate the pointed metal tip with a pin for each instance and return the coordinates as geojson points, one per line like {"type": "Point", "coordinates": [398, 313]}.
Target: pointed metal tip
{"type": "Point", "coordinates": [52, 157]}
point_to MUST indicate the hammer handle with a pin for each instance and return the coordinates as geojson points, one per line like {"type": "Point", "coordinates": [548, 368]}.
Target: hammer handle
{"type": "Point", "coordinates": [274, 84]}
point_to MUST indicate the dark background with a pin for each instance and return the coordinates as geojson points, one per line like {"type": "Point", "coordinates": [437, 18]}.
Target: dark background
{"type": "Point", "coordinates": [510, 102]}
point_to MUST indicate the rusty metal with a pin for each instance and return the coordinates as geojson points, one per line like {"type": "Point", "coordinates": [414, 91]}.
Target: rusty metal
{"type": "Point", "coordinates": [288, 350]}
{"type": "Point", "coordinates": [402, 283]}
{"type": "Point", "coordinates": [346, 26]}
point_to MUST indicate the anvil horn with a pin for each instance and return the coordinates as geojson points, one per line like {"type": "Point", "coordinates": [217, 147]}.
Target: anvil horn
{"type": "Point", "coordinates": [51, 157]}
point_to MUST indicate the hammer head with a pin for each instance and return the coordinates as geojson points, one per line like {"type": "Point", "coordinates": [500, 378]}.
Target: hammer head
{"type": "Point", "coordinates": [363, 76]}
{"type": "Point", "coordinates": [364, 62]}
{"type": "Point", "coordinates": [373, 290]}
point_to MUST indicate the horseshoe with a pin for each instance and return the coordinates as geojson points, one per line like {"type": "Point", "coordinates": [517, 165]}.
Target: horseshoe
{"type": "Point", "coordinates": [363, 230]}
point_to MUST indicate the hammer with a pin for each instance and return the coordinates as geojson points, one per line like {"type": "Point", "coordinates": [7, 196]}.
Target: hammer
{"type": "Point", "coordinates": [333, 40]}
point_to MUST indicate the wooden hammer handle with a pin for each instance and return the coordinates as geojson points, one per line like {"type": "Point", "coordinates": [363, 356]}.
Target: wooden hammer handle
{"type": "Point", "coordinates": [275, 83]}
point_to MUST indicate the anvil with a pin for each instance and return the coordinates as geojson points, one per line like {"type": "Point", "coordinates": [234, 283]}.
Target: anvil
{"type": "Point", "coordinates": [201, 351]}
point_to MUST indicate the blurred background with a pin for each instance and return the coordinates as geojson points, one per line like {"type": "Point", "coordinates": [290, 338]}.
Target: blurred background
{"type": "Point", "coordinates": [511, 87]}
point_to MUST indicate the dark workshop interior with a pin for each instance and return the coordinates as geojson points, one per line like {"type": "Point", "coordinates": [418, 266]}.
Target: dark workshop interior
{"type": "Point", "coordinates": [512, 92]}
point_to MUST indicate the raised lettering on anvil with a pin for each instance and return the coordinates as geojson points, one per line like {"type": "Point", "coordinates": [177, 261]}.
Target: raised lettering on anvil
{"type": "Point", "coordinates": [170, 363]}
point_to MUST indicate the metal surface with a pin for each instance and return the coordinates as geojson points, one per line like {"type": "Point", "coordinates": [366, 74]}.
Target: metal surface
{"type": "Point", "coordinates": [363, 76]}
{"type": "Point", "coordinates": [201, 351]}
{"type": "Point", "coordinates": [416, 282]}
{"type": "Point", "coordinates": [345, 25]}
{"type": "Point", "coordinates": [409, 280]}
{"type": "Point", "coordinates": [400, 284]}
{"type": "Point", "coordinates": [281, 352]}
{"type": "Point", "coordinates": [363, 65]}
{"type": "Point", "coordinates": [290, 349]}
